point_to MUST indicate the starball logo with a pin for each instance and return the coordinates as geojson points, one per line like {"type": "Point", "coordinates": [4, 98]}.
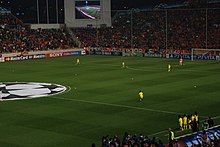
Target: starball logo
{"type": "Point", "coordinates": [28, 90]}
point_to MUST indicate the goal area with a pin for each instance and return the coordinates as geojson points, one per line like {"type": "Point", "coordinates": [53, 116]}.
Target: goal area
{"type": "Point", "coordinates": [205, 54]}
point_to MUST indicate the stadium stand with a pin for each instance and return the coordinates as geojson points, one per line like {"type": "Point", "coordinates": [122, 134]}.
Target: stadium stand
{"type": "Point", "coordinates": [185, 28]}
{"type": "Point", "coordinates": [208, 138]}
{"type": "Point", "coordinates": [181, 30]}
{"type": "Point", "coordinates": [20, 40]}
{"type": "Point", "coordinates": [8, 20]}
{"type": "Point", "coordinates": [15, 37]}
{"type": "Point", "coordinates": [131, 141]}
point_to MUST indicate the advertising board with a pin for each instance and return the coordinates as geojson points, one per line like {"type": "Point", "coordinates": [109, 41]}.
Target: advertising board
{"type": "Point", "coordinates": [2, 60]}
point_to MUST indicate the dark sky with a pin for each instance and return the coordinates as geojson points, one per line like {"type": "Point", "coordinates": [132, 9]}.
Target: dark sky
{"type": "Point", "coordinates": [26, 10]}
{"type": "Point", "coordinates": [119, 4]}
{"type": "Point", "coordinates": [116, 4]}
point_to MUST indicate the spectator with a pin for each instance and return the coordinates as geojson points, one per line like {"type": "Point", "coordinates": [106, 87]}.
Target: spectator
{"type": "Point", "coordinates": [131, 141]}
{"type": "Point", "coordinates": [210, 122]}
{"type": "Point", "coordinates": [194, 126]}
{"type": "Point", "coordinates": [204, 139]}
{"type": "Point", "coordinates": [205, 125]}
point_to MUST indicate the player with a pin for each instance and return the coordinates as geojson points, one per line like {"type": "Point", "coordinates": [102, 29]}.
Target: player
{"type": "Point", "coordinates": [192, 117]}
{"type": "Point", "coordinates": [181, 61]}
{"type": "Point", "coordinates": [123, 65]}
{"type": "Point", "coordinates": [169, 68]}
{"type": "Point", "coordinates": [141, 96]}
{"type": "Point", "coordinates": [77, 61]}
{"type": "Point", "coordinates": [184, 122]}
{"type": "Point", "coordinates": [180, 123]}
{"type": "Point", "coordinates": [196, 119]}
{"type": "Point", "coordinates": [170, 137]}
{"type": "Point", "coordinates": [189, 121]}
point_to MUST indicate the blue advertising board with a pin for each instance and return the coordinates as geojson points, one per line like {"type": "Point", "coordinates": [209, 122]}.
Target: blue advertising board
{"type": "Point", "coordinates": [104, 53]}
{"type": "Point", "coordinates": [196, 57]}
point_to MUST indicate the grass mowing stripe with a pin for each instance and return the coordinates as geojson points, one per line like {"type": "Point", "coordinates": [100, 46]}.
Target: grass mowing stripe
{"type": "Point", "coordinates": [101, 79]}
{"type": "Point", "coordinates": [122, 106]}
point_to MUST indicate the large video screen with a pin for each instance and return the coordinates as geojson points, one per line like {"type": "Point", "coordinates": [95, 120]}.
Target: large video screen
{"type": "Point", "coordinates": [87, 9]}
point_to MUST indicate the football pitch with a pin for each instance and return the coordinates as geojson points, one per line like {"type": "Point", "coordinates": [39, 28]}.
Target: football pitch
{"type": "Point", "coordinates": [93, 11]}
{"type": "Point", "coordinates": [102, 99]}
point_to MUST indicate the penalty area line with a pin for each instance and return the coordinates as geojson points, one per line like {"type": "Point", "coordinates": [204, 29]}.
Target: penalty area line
{"type": "Point", "coordinates": [148, 69]}
{"type": "Point", "coordinates": [118, 105]}
{"type": "Point", "coordinates": [130, 107]}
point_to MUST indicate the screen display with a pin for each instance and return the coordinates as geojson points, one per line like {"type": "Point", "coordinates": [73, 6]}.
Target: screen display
{"type": "Point", "coordinates": [87, 9]}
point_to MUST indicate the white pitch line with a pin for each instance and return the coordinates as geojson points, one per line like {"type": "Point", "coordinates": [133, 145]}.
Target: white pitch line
{"type": "Point", "coordinates": [69, 89]}
{"type": "Point", "coordinates": [159, 69]}
{"type": "Point", "coordinates": [132, 107]}
{"type": "Point", "coordinates": [215, 117]}
{"type": "Point", "coordinates": [154, 134]}
{"type": "Point", "coordinates": [123, 106]}
{"type": "Point", "coordinates": [161, 132]}
{"type": "Point", "coordinates": [118, 105]}
{"type": "Point", "coordinates": [151, 69]}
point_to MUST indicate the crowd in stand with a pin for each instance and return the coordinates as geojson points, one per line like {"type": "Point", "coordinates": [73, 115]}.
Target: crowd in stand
{"type": "Point", "coordinates": [7, 20]}
{"type": "Point", "coordinates": [13, 39]}
{"type": "Point", "coordinates": [182, 29]}
{"type": "Point", "coordinates": [20, 40]}
{"type": "Point", "coordinates": [215, 142]}
{"type": "Point", "coordinates": [172, 29]}
{"type": "Point", "coordinates": [131, 141]}
{"type": "Point", "coordinates": [145, 141]}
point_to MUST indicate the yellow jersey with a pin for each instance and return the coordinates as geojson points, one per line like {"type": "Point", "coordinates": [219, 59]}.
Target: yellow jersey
{"type": "Point", "coordinates": [141, 95]}
{"type": "Point", "coordinates": [181, 121]}
{"type": "Point", "coordinates": [184, 120]}
{"type": "Point", "coordinates": [196, 118]}
{"type": "Point", "coordinates": [169, 66]}
{"type": "Point", "coordinates": [193, 117]}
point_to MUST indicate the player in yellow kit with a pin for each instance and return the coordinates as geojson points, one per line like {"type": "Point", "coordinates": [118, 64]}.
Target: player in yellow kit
{"type": "Point", "coordinates": [189, 121]}
{"type": "Point", "coordinates": [141, 96]}
{"type": "Point", "coordinates": [123, 65]}
{"type": "Point", "coordinates": [196, 117]}
{"type": "Point", "coordinates": [180, 123]}
{"type": "Point", "coordinates": [169, 68]}
{"type": "Point", "coordinates": [192, 117]}
{"type": "Point", "coordinates": [184, 122]}
{"type": "Point", "coordinates": [77, 61]}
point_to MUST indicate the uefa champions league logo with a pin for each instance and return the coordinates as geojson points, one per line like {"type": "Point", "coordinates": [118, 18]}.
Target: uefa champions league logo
{"type": "Point", "coordinates": [28, 90]}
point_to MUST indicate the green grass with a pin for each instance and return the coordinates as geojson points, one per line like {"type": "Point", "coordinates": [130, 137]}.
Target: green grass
{"type": "Point", "coordinates": [91, 11]}
{"type": "Point", "coordinates": [103, 99]}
